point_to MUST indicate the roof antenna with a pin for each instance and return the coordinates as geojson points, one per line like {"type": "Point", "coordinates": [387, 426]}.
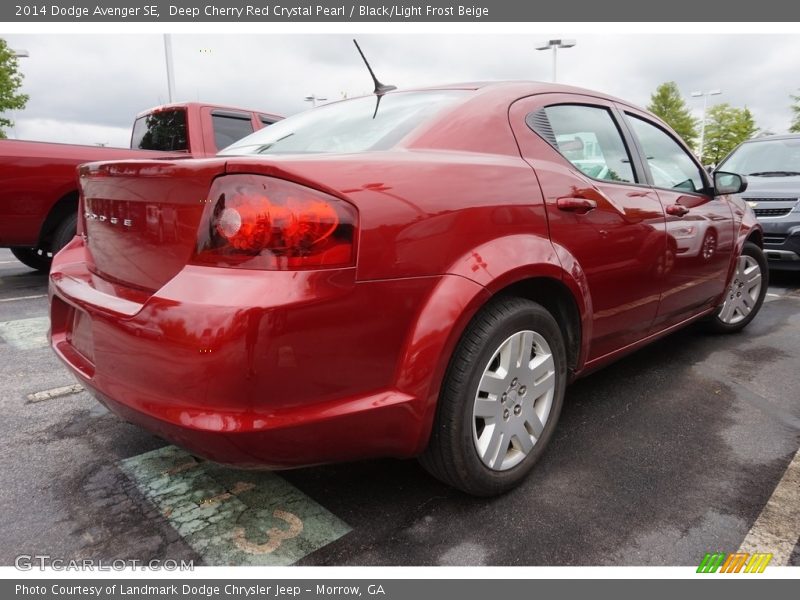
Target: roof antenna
{"type": "Point", "coordinates": [380, 88]}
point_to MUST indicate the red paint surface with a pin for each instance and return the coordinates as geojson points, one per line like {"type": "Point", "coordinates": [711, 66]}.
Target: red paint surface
{"type": "Point", "coordinates": [289, 368]}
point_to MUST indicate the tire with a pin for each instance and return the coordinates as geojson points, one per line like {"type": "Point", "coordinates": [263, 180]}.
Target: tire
{"type": "Point", "coordinates": [745, 295]}
{"type": "Point", "coordinates": [64, 232]}
{"type": "Point", "coordinates": [35, 258]}
{"type": "Point", "coordinates": [461, 450]}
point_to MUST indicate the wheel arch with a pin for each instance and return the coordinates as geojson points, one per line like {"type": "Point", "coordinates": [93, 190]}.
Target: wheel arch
{"type": "Point", "coordinates": [463, 293]}
{"type": "Point", "coordinates": [66, 204]}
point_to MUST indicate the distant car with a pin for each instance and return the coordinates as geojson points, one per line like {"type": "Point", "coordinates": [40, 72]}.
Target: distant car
{"type": "Point", "coordinates": [772, 166]}
{"type": "Point", "coordinates": [415, 274]}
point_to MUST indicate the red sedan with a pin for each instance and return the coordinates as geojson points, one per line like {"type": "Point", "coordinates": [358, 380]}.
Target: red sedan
{"type": "Point", "coordinates": [416, 277]}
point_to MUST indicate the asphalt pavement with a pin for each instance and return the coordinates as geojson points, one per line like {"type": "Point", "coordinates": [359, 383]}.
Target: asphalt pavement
{"type": "Point", "coordinates": [683, 448]}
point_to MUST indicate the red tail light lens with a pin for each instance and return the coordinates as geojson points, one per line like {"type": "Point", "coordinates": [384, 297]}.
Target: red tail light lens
{"type": "Point", "coordinates": [259, 222]}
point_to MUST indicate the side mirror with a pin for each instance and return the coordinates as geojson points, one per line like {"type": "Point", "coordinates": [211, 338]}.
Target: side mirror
{"type": "Point", "coordinates": [729, 183]}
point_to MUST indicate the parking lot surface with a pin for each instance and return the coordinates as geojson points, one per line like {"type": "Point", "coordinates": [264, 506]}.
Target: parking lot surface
{"type": "Point", "coordinates": [686, 447]}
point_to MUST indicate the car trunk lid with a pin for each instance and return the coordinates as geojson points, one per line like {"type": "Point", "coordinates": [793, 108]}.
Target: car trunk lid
{"type": "Point", "coordinates": [140, 218]}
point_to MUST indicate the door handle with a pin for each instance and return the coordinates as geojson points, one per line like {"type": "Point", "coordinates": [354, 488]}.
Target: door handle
{"type": "Point", "coordinates": [677, 210]}
{"type": "Point", "coordinates": [577, 205]}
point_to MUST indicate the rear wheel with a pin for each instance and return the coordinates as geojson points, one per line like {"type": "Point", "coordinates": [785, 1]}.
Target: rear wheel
{"type": "Point", "coordinates": [500, 400]}
{"type": "Point", "coordinates": [41, 258]}
{"type": "Point", "coordinates": [745, 295]}
{"type": "Point", "coordinates": [35, 258]}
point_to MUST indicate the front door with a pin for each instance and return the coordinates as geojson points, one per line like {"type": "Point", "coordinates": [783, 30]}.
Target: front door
{"type": "Point", "coordinates": [700, 236]}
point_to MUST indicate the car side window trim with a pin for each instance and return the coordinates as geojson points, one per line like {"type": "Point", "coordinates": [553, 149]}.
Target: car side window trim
{"type": "Point", "coordinates": [534, 119]}
{"type": "Point", "coordinates": [625, 116]}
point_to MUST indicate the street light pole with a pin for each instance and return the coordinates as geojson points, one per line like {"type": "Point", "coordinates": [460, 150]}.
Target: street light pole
{"type": "Point", "coordinates": [313, 98]}
{"type": "Point", "coordinates": [705, 96]}
{"type": "Point", "coordinates": [554, 45]}
{"type": "Point", "coordinates": [168, 60]}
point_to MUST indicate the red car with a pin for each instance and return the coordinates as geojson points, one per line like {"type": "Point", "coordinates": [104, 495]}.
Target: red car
{"type": "Point", "coordinates": [415, 274]}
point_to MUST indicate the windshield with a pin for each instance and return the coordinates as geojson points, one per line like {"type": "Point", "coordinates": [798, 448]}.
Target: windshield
{"type": "Point", "coordinates": [348, 126]}
{"type": "Point", "coordinates": [765, 158]}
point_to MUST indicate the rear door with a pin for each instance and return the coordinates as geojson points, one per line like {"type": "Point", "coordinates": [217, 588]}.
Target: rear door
{"type": "Point", "coordinates": [600, 209]}
{"type": "Point", "coordinates": [700, 236]}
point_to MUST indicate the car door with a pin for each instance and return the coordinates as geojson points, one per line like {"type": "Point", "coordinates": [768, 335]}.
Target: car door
{"type": "Point", "coordinates": [700, 235]}
{"type": "Point", "coordinates": [599, 209]}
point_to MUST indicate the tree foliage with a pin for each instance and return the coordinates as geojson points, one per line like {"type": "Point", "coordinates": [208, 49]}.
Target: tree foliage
{"type": "Point", "coordinates": [10, 82]}
{"type": "Point", "coordinates": [726, 128]}
{"type": "Point", "coordinates": [668, 104]}
{"type": "Point", "coordinates": [795, 126]}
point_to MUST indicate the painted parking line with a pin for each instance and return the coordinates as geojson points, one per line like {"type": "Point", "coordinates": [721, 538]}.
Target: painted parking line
{"type": "Point", "coordinates": [232, 517]}
{"type": "Point", "coordinates": [25, 334]}
{"type": "Point", "coordinates": [23, 298]}
{"type": "Point", "coordinates": [64, 390]}
{"type": "Point", "coordinates": [777, 529]}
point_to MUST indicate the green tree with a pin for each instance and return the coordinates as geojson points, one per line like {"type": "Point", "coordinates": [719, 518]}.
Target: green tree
{"type": "Point", "coordinates": [795, 126]}
{"type": "Point", "coordinates": [667, 103]}
{"type": "Point", "coordinates": [10, 82]}
{"type": "Point", "coordinates": [726, 128]}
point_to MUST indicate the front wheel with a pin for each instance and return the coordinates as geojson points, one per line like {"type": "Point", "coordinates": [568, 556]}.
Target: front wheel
{"type": "Point", "coordinates": [745, 294]}
{"type": "Point", "coordinates": [35, 258]}
{"type": "Point", "coordinates": [500, 399]}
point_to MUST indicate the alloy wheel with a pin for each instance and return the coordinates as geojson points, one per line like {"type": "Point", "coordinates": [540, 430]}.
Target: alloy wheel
{"type": "Point", "coordinates": [743, 293]}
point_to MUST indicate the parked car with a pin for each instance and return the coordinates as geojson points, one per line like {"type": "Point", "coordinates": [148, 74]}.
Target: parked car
{"type": "Point", "coordinates": [39, 195]}
{"type": "Point", "coordinates": [772, 166]}
{"type": "Point", "coordinates": [416, 274]}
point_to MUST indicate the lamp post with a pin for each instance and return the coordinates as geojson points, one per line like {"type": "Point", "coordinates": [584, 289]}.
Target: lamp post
{"type": "Point", "coordinates": [170, 70]}
{"type": "Point", "coordinates": [313, 98]}
{"type": "Point", "coordinates": [554, 45]}
{"type": "Point", "coordinates": [705, 96]}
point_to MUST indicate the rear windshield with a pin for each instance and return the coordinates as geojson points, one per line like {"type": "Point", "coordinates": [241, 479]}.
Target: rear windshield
{"type": "Point", "coordinates": [164, 130]}
{"type": "Point", "coordinates": [348, 126]}
{"type": "Point", "coordinates": [765, 156]}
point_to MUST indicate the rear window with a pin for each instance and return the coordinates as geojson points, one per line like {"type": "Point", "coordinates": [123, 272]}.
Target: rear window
{"type": "Point", "coordinates": [164, 130]}
{"type": "Point", "coordinates": [348, 126]}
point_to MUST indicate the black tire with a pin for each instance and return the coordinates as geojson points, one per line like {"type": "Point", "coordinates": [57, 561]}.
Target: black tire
{"type": "Point", "coordinates": [715, 323]}
{"type": "Point", "coordinates": [64, 232]}
{"type": "Point", "coordinates": [35, 258]}
{"type": "Point", "coordinates": [451, 455]}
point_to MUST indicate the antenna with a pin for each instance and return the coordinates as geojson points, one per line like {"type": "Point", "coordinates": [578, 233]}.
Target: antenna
{"type": "Point", "coordinates": [380, 88]}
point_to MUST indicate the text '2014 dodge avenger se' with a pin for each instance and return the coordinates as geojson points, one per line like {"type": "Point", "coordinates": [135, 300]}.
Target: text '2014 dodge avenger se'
{"type": "Point", "coordinates": [415, 274]}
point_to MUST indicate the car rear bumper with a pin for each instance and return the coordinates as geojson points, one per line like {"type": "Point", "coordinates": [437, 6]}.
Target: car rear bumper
{"type": "Point", "coordinates": [257, 369]}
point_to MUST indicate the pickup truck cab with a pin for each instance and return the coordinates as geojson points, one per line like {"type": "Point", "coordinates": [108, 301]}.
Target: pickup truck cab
{"type": "Point", "coordinates": [39, 194]}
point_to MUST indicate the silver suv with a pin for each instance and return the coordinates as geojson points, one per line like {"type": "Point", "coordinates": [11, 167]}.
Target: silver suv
{"type": "Point", "coordinates": [772, 166]}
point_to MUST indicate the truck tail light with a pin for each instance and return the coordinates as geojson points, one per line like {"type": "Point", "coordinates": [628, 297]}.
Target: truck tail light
{"type": "Point", "coordinates": [259, 222]}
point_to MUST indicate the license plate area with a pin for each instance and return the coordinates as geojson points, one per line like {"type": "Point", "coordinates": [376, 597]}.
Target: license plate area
{"type": "Point", "coordinates": [79, 334]}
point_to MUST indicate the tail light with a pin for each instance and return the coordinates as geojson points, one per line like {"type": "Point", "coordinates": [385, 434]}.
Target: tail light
{"type": "Point", "coordinates": [259, 222]}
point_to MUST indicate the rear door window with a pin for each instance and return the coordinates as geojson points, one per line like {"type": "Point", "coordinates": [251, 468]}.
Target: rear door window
{"type": "Point", "coordinates": [230, 127]}
{"type": "Point", "coordinates": [588, 137]}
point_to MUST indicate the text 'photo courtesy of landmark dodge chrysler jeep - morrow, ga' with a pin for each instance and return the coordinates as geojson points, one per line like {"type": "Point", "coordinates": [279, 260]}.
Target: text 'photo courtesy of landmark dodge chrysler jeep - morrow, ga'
{"type": "Point", "coordinates": [414, 273]}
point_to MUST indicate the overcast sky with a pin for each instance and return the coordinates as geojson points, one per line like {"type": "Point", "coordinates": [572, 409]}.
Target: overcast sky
{"type": "Point", "coordinates": [87, 88]}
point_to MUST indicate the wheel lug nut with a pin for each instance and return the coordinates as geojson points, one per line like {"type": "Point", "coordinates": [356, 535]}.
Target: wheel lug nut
{"type": "Point", "coordinates": [514, 382]}
{"type": "Point", "coordinates": [505, 414]}
{"type": "Point", "coordinates": [504, 397]}
{"type": "Point", "coordinates": [517, 409]}
{"type": "Point", "coordinates": [522, 390]}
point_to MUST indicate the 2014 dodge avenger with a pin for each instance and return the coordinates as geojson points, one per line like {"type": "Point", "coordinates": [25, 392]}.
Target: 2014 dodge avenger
{"type": "Point", "coordinates": [417, 273]}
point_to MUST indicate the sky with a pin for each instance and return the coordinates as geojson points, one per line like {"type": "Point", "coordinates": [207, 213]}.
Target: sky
{"type": "Point", "coordinates": [86, 88]}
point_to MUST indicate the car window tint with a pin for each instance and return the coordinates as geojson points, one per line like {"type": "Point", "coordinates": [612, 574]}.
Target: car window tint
{"type": "Point", "coordinates": [588, 137]}
{"type": "Point", "coordinates": [229, 129]}
{"type": "Point", "coordinates": [670, 165]}
{"type": "Point", "coordinates": [163, 130]}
